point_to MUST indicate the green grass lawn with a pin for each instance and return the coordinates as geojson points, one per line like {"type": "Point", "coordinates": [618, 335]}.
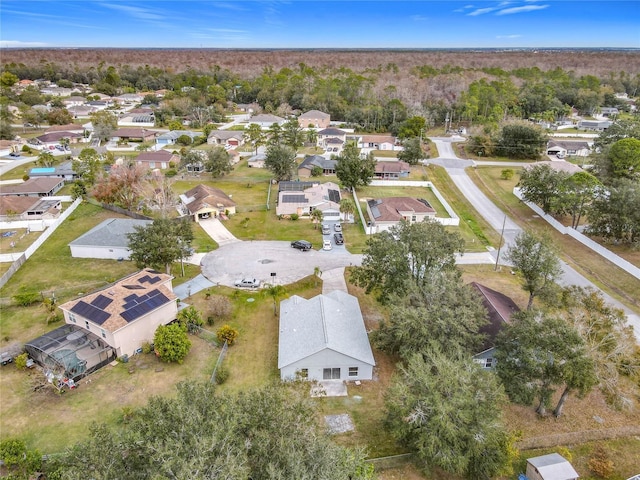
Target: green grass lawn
{"type": "Point", "coordinates": [21, 239]}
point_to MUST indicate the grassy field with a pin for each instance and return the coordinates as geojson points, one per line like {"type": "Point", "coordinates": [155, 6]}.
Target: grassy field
{"type": "Point", "coordinates": [20, 239]}
{"type": "Point", "coordinates": [603, 273]}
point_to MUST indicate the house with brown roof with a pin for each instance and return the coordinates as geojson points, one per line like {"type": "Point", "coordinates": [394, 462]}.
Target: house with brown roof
{"type": "Point", "coordinates": [159, 159]}
{"type": "Point", "coordinates": [203, 201]}
{"type": "Point", "coordinates": [500, 308]}
{"type": "Point", "coordinates": [34, 187]}
{"type": "Point", "coordinates": [49, 141]}
{"type": "Point", "coordinates": [389, 170]}
{"type": "Point", "coordinates": [385, 213]}
{"type": "Point", "coordinates": [126, 313]}
{"type": "Point", "coordinates": [379, 142]}
{"type": "Point", "coordinates": [69, 127]}
{"type": "Point", "coordinates": [314, 119]}
{"type": "Point", "coordinates": [133, 135]}
{"type": "Point", "coordinates": [14, 208]}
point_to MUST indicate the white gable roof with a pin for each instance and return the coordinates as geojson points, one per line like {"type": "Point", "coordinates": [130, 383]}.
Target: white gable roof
{"type": "Point", "coordinates": [325, 322]}
{"type": "Point", "coordinates": [553, 467]}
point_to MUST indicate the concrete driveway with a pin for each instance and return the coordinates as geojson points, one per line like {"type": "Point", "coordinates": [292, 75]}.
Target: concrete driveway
{"type": "Point", "coordinates": [259, 259]}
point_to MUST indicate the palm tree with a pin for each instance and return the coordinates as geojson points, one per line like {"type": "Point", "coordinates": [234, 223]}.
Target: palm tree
{"type": "Point", "coordinates": [316, 217]}
{"type": "Point", "coordinates": [347, 207]}
{"type": "Point", "coordinates": [275, 291]}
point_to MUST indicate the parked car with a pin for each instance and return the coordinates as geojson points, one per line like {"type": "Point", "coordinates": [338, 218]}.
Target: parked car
{"type": "Point", "coordinates": [337, 227]}
{"type": "Point", "coordinates": [14, 154]}
{"type": "Point", "coordinates": [338, 238]}
{"type": "Point", "coordinates": [326, 230]}
{"type": "Point", "coordinates": [248, 283]}
{"type": "Point", "coordinates": [302, 245]}
{"type": "Point", "coordinates": [326, 244]}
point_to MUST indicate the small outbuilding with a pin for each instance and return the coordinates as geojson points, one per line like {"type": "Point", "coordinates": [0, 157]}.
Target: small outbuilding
{"type": "Point", "coordinates": [107, 240]}
{"type": "Point", "coordinates": [550, 467]}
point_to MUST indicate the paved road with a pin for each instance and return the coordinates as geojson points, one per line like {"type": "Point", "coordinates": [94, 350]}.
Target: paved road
{"type": "Point", "coordinates": [485, 207]}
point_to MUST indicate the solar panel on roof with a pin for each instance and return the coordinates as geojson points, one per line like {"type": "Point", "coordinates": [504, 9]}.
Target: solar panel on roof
{"type": "Point", "coordinates": [155, 299]}
{"type": "Point", "coordinates": [101, 302]}
{"type": "Point", "coordinates": [334, 196]}
{"type": "Point", "coordinates": [130, 297]}
{"type": "Point", "coordinates": [294, 199]}
{"type": "Point", "coordinates": [144, 279]}
{"type": "Point", "coordinates": [90, 312]}
{"type": "Point", "coordinates": [153, 280]}
{"type": "Point", "coordinates": [133, 287]}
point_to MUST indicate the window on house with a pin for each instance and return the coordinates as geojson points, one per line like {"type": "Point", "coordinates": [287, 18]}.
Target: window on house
{"type": "Point", "coordinates": [104, 335]}
{"type": "Point", "coordinates": [353, 371]}
{"type": "Point", "coordinates": [304, 373]}
{"type": "Point", "coordinates": [413, 218]}
{"type": "Point", "coordinates": [331, 374]}
{"type": "Point", "coordinates": [152, 164]}
{"type": "Point", "coordinates": [488, 363]}
{"type": "Point", "coordinates": [72, 317]}
{"type": "Point", "coordinates": [86, 324]}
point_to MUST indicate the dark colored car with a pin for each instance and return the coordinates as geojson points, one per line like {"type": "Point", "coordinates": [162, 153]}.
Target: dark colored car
{"type": "Point", "coordinates": [302, 245]}
{"type": "Point", "coordinates": [338, 238]}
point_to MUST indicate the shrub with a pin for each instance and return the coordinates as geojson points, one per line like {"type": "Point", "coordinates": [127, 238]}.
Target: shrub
{"type": "Point", "coordinates": [21, 360]}
{"type": "Point", "coordinates": [25, 177]}
{"type": "Point", "coordinates": [170, 173]}
{"type": "Point", "coordinates": [54, 317]}
{"type": "Point", "coordinates": [26, 297]}
{"type": "Point", "coordinates": [171, 342]}
{"type": "Point", "coordinates": [222, 374]}
{"type": "Point", "coordinates": [220, 307]}
{"type": "Point", "coordinates": [599, 462]}
{"type": "Point", "coordinates": [146, 348]}
{"type": "Point", "coordinates": [227, 334]}
{"type": "Point", "coordinates": [507, 174]}
{"type": "Point", "coordinates": [294, 216]}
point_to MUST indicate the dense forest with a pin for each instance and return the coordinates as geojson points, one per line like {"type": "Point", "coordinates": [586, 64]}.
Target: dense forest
{"type": "Point", "coordinates": [371, 90]}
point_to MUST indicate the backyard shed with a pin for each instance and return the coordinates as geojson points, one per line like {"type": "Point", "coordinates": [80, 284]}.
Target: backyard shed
{"type": "Point", "coordinates": [550, 467]}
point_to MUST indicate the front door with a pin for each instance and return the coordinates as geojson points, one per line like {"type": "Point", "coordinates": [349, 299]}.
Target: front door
{"type": "Point", "coordinates": [331, 374]}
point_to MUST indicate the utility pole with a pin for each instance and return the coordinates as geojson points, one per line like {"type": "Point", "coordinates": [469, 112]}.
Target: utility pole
{"type": "Point", "coordinates": [504, 221]}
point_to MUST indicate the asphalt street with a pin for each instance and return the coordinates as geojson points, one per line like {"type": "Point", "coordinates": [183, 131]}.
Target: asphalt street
{"type": "Point", "coordinates": [490, 212]}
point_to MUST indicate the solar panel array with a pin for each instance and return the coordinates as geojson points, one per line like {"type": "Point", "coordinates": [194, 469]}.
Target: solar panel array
{"type": "Point", "coordinates": [149, 279]}
{"type": "Point", "coordinates": [101, 302]}
{"type": "Point", "coordinates": [90, 312]}
{"type": "Point", "coordinates": [294, 199]}
{"type": "Point", "coordinates": [334, 196]}
{"type": "Point", "coordinates": [137, 306]}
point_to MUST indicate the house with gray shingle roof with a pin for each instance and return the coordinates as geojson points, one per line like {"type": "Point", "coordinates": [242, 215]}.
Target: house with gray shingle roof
{"type": "Point", "coordinates": [107, 240]}
{"type": "Point", "coordinates": [324, 338]}
{"type": "Point", "coordinates": [328, 166]}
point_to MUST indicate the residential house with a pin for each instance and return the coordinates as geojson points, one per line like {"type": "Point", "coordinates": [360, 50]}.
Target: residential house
{"type": "Point", "coordinates": [379, 142]}
{"type": "Point", "coordinates": [226, 138]}
{"type": "Point", "coordinates": [54, 140]}
{"type": "Point", "coordinates": [74, 101]}
{"type": "Point", "coordinates": [55, 91]}
{"type": "Point", "coordinates": [69, 127]}
{"type": "Point", "coordinates": [500, 309]}
{"type": "Point", "coordinates": [596, 125]}
{"type": "Point", "coordinates": [158, 159]}
{"type": "Point", "coordinates": [100, 104]}
{"type": "Point", "coordinates": [391, 170]}
{"type": "Point", "coordinates": [385, 213]}
{"type": "Point", "coordinates": [80, 111]}
{"type": "Point", "coordinates": [138, 119]}
{"type": "Point", "coordinates": [64, 171]}
{"type": "Point", "coordinates": [609, 111]}
{"type": "Point", "coordinates": [550, 467]}
{"type": "Point", "coordinates": [129, 98]}
{"type": "Point", "coordinates": [332, 139]}
{"type": "Point", "coordinates": [314, 119]}
{"type": "Point", "coordinates": [203, 201]}
{"type": "Point", "coordinates": [326, 166]}
{"type": "Point", "coordinates": [257, 161]}
{"type": "Point", "coordinates": [323, 338]}
{"type": "Point", "coordinates": [107, 240]}
{"type": "Point", "coordinates": [247, 107]}
{"type": "Point", "coordinates": [265, 120]}
{"type": "Point", "coordinates": [568, 148]}
{"type": "Point", "coordinates": [28, 208]}
{"type": "Point", "coordinates": [34, 187]}
{"type": "Point", "coordinates": [133, 135]}
{"type": "Point", "coordinates": [127, 313]}
{"type": "Point", "coordinates": [301, 198]}
{"type": "Point", "coordinates": [169, 138]}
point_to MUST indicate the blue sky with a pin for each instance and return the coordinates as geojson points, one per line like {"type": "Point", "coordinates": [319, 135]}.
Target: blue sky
{"type": "Point", "coordinates": [320, 23]}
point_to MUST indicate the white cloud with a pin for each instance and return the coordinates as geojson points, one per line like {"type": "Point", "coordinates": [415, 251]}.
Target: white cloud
{"type": "Point", "coordinates": [419, 18]}
{"type": "Point", "coordinates": [481, 11]}
{"type": "Point", "coordinates": [21, 44]}
{"type": "Point", "coordinates": [136, 12]}
{"type": "Point", "coordinates": [525, 8]}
